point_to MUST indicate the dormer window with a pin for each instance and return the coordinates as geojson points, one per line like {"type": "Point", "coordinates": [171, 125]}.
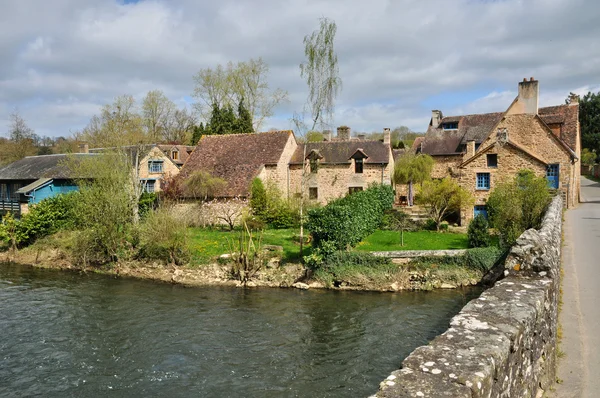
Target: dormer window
{"type": "Point", "coordinates": [175, 155]}
{"type": "Point", "coordinates": [450, 126]}
{"type": "Point", "coordinates": [358, 165]}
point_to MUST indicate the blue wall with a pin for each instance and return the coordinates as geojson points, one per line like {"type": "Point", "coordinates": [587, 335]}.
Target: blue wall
{"type": "Point", "coordinates": [51, 189]}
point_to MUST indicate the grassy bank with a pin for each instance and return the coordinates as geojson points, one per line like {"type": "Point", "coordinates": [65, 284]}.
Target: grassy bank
{"type": "Point", "coordinates": [420, 240]}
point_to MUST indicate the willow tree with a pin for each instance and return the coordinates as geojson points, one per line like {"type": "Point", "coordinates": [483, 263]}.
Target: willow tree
{"type": "Point", "coordinates": [413, 169]}
{"type": "Point", "coordinates": [321, 72]}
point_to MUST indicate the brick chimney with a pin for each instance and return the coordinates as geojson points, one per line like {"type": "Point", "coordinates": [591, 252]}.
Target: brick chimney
{"type": "Point", "coordinates": [343, 133]}
{"type": "Point", "coordinates": [327, 135]}
{"type": "Point", "coordinates": [436, 118]}
{"type": "Point", "coordinates": [387, 136]}
{"type": "Point", "coordinates": [529, 93]}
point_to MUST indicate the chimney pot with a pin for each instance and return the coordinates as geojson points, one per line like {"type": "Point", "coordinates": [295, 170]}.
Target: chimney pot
{"type": "Point", "coordinates": [531, 79]}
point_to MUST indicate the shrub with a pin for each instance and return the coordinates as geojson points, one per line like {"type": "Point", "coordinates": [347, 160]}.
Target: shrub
{"type": "Point", "coordinates": [163, 237]}
{"type": "Point", "coordinates": [345, 222]}
{"type": "Point", "coordinates": [47, 217]}
{"type": "Point", "coordinates": [147, 202]}
{"type": "Point", "coordinates": [258, 197]}
{"type": "Point", "coordinates": [483, 258]}
{"type": "Point", "coordinates": [518, 205]}
{"type": "Point", "coordinates": [478, 233]}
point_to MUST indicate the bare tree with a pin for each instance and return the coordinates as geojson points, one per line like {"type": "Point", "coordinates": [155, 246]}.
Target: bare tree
{"type": "Point", "coordinates": [156, 111]}
{"type": "Point", "coordinates": [227, 85]}
{"type": "Point", "coordinates": [321, 72]}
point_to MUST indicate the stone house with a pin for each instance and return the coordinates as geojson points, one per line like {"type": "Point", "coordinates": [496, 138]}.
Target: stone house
{"type": "Point", "coordinates": [481, 150]}
{"type": "Point", "coordinates": [157, 163]}
{"type": "Point", "coordinates": [239, 158]}
{"type": "Point", "coordinates": [333, 168]}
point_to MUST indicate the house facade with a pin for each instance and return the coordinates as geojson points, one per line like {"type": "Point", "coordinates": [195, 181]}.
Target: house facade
{"type": "Point", "coordinates": [331, 169]}
{"type": "Point", "coordinates": [480, 151]}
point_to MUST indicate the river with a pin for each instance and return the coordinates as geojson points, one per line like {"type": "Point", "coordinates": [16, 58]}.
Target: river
{"type": "Point", "coordinates": [66, 334]}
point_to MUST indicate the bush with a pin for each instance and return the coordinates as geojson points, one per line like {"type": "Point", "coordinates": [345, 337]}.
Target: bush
{"type": "Point", "coordinates": [345, 222]}
{"type": "Point", "coordinates": [354, 266]}
{"type": "Point", "coordinates": [163, 237]}
{"type": "Point", "coordinates": [258, 197]}
{"type": "Point", "coordinates": [47, 217]}
{"type": "Point", "coordinates": [478, 233]}
{"type": "Point", "coordinates": [516, 206]}
{"type": "Point", "coordinates": [483, 258]}
{"type": "Point", "coordinates": [147, 202]}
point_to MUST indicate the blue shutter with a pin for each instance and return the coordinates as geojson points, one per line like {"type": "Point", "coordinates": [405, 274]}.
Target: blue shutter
{"type": "Point", "coordinates": [552, 174]}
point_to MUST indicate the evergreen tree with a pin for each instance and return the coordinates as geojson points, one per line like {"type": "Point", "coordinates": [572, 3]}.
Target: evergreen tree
{"type": "Point", "coordinates": [244, 122]}
{"type": "Point", "coordinates": [198, 132]}
{"type": "Point", "coordinates": [229, 121]}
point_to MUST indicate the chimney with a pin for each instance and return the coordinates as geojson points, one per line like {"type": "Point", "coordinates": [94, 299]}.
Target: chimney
{"type": "Point", "coordinates": [362, 136]}
{"type": "Point", "coordinates": [343, 133]}
{"type": "Point", "coordinates": [387, 136]}
{"type": "Point", "coordinates": [84, 147]}
{"type": "Point", "coordinates": [327, 135]}
{"type": "Point", "coordinates": [436, 118]}
{"type": "Point", "coordinates": [529, 93]}
{"type": "Point", "coordinates": [470, 149]}
{"type": "Point", "coordinates": [573, 99]}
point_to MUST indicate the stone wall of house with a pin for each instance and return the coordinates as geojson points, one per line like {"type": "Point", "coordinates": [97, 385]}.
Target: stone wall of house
{"type": "Point", "coordinates": [334, 180]}
{"type": "Point", "coordinates": [170, 169]}
{"type": "Point", "coordinates": [279, 173]}
{"type": "Point", "coordinates": [502, 344]}
{"type": "Point", "coordinates": [444, 166]}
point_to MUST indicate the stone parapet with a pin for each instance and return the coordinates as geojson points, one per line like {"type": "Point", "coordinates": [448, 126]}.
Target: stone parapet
{"type": "Point", "coordinates": [502, 344]}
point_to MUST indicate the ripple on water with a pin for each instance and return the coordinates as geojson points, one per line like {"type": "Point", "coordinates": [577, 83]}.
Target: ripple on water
{"type": "Point", "coordinates": [67, 334]}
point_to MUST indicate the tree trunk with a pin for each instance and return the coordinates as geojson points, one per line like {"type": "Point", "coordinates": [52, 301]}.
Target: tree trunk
{"type": "Point", "coordinates": [410, 193]}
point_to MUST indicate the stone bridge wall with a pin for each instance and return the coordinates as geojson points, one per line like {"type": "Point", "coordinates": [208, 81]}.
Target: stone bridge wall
{"type": "Point", "coordinates": [502, 344]}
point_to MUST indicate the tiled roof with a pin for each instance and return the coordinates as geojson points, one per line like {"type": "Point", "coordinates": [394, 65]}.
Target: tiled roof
{"type": "Point", "coordinates": [236, 158]}
{"type": "Point", "coordinates": [182, 149]}
{"type": "Point", "coordinates": [35, 167]}
{"type": "Point", "coordinates": [339, 152]}
{"type": "Point", "coordinates": [476, 128]}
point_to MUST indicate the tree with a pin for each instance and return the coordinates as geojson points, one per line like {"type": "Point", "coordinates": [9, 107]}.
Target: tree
{"type": "Point", "coordinates": [588, 158]}
{"type": "Point", "coordinates": [589, 119]}
{"type": "Point", "coordinates": [244, 122]}
{"type": "Point", "coordinates": [411, 169]}
{"type": "Point", "coordinates": [197, 133]}
{"type": "Point", "coordinates": [258, 197]}
{"type": "Point", "coordinates": [157, 109]}
{"type": "Point", "coordinates": [441, 197]}
{"type": "Point", "coordinates": [23, 140]}
{"type": "Point", "coordinates": [478, 232]}
{"type": "Point", "coordinates": [321, 72]}
{"type": "Point", "coordinates": [314, 136]}
{"type": "Point", "coordinates": [227, 85]}
{"type": "Point", "coordinates": [202, 185]}
{"type": "Point", "coordinates": [517, 205]}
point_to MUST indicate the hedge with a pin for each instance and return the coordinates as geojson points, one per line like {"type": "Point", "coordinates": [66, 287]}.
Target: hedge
{"type": "Point", "coordinates": [344, 222]}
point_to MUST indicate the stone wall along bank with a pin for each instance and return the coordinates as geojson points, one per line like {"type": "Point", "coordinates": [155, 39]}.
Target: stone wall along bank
{"type": "Point", "coordinates": [502, 344]}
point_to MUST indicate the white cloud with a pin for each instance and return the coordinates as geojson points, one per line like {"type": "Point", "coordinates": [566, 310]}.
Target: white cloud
{"type": "Point", "coordinates": [61, 63]}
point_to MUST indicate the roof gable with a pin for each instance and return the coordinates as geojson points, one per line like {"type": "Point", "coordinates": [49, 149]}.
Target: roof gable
{"type": "Point", "coordinates": [341, 152]}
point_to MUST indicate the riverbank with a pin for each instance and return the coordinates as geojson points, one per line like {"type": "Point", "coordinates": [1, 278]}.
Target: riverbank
{"type": "Point", "coordinates": [396, 278]}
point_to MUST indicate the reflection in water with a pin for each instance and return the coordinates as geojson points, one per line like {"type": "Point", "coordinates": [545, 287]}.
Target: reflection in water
{"type": "Point", "coordinates": [65, 334]}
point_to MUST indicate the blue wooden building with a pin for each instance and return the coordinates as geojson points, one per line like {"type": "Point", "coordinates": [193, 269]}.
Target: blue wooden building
{"type": "Point", "coordinates": [33, 179]}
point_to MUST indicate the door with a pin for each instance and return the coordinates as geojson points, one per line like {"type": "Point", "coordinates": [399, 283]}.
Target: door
{"type": "Point", "coordinates": [552, 174]}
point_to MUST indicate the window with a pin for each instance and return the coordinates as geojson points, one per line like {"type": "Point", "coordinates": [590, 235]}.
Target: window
{"type": "Point", "coordinates": [155, 166]}
{"type": "Point", "coordinates": [314, 165]}
{"type": "Point", "coordinates": [313, 193]}
{"type": "Point", "coordinates": [483, 181]}
{"type": "Point", "coordinates": [351, 190]}
{"type": "Point", "coordinates": [149, 185]}
{"type": "Point", "coordinates": [450, 126]}
{"type": "Point", "coordinates": [480, 210]}
{"type": "Point", "coordinates": [175, 155]}
{"type": "Point", "coordinates": [358, 166]}
{"type": "Point", "coordinates": [492, 160]}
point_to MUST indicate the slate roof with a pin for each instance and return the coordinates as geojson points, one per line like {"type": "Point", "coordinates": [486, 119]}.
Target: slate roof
{"type": "Point", "coordinates": [339, 152]}
{"type": "Point", "coordinates": [236, 158]}
{"type": "Point", "coordinates": [438, 141]}
{"type": "Point", "coordinates": [35, 167]}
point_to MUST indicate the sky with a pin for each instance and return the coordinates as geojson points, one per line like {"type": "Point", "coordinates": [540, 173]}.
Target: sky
{"type": "Point", "coordinates": [61, 60]}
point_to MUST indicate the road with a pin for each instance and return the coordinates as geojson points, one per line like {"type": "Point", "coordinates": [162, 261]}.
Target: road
{"type": "Point", "coordinates": [579, 369]}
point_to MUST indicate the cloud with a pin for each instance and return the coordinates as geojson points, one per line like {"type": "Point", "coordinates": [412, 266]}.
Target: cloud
{"type": "Point", "coordinates": [62, 63]}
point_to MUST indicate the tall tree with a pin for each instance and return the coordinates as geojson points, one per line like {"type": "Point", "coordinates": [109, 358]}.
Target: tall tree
{"type": "Point", "coordinates": [244, 124]}
{"type": "Point", "coordinates": [321, 72]}
{"type": "Point", "coordinates": [23, 140]}
{"type": "Point", "coordinates": [157, 111]}
{"type": "Point", "coordinates": [412, 169]}
{"type": "Point", "coordinates": [198, 132]}
{"type": "Point", "coordinates": [227, 85]}
{"type": "Point", "coordinates": [589, 119]}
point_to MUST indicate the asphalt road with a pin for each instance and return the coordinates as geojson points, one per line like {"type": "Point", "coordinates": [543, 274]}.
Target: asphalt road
{"type": "Point", "coordinates": [579, 369]}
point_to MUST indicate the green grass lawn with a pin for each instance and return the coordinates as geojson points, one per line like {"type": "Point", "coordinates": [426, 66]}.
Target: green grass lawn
{"type": "Point", "coordinates": [420, 240]}
{"type": "Point", "coordinates": [208, 244]}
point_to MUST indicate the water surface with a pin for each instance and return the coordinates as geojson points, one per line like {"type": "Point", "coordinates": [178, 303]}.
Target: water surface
{"type": "Point", "coordinates": [71, 335]}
